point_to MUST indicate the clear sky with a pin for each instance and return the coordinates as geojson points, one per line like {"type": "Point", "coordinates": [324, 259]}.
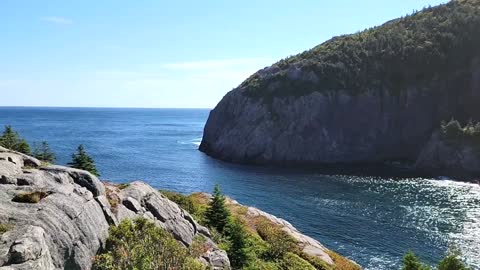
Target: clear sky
{"type": "Point", "coordinates": [113, 53]}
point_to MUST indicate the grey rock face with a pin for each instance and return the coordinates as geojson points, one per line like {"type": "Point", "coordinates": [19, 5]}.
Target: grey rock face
{"type": "Point", "coordinates": [65, 229]}
{"type": "Point", "coordinates": [335, 127]}
{"type": "Point", "coordinates": [443, 155]}
{"type": "Point", "coordinates": [28, 249]}
{"type": "Point", "coordinates": [140, 199]}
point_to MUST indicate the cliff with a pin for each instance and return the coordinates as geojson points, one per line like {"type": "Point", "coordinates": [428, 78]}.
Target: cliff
{"type": "Point", "coordinates": [372, 97]}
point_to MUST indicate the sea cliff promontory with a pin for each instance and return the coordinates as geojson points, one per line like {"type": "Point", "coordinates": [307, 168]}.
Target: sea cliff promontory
{"type": "Point", "coordinates": [373, 97]}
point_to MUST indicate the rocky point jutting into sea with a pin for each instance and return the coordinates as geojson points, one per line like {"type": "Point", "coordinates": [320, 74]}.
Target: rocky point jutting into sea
{"type": "Point", "coordinates": [69, 223]}
{"type": "Point", "coordinates": [375, 97]}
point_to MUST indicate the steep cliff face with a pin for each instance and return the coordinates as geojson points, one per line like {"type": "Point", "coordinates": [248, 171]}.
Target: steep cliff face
{"type": "Point", "coordinates": [446, 156]}
{"type": "Point", "coordinates": [370, 97]}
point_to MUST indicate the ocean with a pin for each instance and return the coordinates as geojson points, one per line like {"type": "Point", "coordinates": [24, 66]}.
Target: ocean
{"type": "Point", "coordinates": [372, 220]}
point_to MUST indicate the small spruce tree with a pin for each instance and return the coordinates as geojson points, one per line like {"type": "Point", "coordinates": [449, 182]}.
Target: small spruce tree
{"type": "Point", "coordinates": [217, 213]}
{"type": "Point", "coordinates": [43, 152]}
{"type": "Point", "coordinates": [238, 250]}
{"type": "Point", "coordinates": [81, 160]}
{"type": "Point", "coordinates": [411, 262]}
{"type": "Point", "coordinates": [11, 140]}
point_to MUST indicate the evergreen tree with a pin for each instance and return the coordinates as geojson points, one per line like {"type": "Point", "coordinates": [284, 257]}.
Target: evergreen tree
{"type": "Point", "coordinates": [238, 251]}
{"type": "Point", "coordinates": [81, 160]}
{"type": "Point", "coordinates": [411, 262]}
{"type": "Point", "coordinates": [11, 140]}
{"type": "Point", "coordinates": [452, 262]}
{"type": "Point", "coordinates": [217, 214]}
{"type": "Point", "coordinates": [44, 153]}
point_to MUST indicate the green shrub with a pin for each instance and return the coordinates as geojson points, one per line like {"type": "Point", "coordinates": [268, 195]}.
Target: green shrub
{"type": "Point", "coordinates": [140, 244]}
{"type": "Point", "coordinates": [279, 242]}
{"type": "Point", "coordinates": [262, 265]}
{"type": "Point", "coordinates": [185, 202]}
{"type": "Point", "coordinates": [454, 133]}
{"type": "Point", "coordinates": [452, 129]}
{"type": "Point", "coordinates": [411, 262]}
{"type": "Point", "coordinates": [5, 228]}
{"type": "Point", "coordinates": [123, 186]}
{"type": "Point", "coordinates": [29, 197]}
{"type": "Point", "coordinates": [318, 263]}
{"type": "Point", "coordinates": [451, 262]}
{"type": "Point", "coordinates": [291, 261]}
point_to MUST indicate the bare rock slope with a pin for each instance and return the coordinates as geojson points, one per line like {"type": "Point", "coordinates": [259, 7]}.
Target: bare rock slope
{"type": "Point", "coordinates": [70, 222]}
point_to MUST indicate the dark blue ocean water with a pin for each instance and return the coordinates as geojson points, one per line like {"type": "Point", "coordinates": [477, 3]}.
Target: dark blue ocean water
{"type": "Point", "coordinates": [372, 220]}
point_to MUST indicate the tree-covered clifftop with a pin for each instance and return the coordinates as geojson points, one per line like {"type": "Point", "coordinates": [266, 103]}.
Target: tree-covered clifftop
{"type": "Point", "coordinates": [412, 50]}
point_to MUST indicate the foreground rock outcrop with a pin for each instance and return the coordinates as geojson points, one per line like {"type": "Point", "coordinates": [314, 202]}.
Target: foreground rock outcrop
{"type": "Point", "coordinates": [55, 217]}
{"type": "Point", "coordinates": [58, 217]}
{"type": "Point", "coordinates": [366, 98]}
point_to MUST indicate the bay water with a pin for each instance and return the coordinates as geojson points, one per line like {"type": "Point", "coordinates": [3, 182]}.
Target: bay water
{"type": "Point", "coordinates": [372, 220]}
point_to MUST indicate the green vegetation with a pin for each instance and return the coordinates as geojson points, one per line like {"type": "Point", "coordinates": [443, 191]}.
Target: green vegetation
{"type": "Point", "coordinates": [30, 197]}
{"type": "Point", "coordinates": [217, 214]}
{"type": "Point", "coordinates": [411, 262]}
{"type": "Point", "coordinates": [238, 249]}
{"type": "Point", "coordinates": [140, 244]}
{"type": "Point", "coordinates": [253, 243]}
{"type": "Point", "coordinates": [450, 262]}
{"type": "Point", "coordinates": [12, 140]}
{"type": "Point", "coordinates": [5, 228]}
{"type": "Point", "coordinates": [44, 153]}
{"type": "Point", "coordinates": [415, 50]}
{"type": "Point", "coordinates": [183, 201]}
{"type": "Point", "coordinates": [81, 160]}
{"type": "Point", "coordinates": [453, 130]}
{"type": "Point", "coordinates": [123, 186]}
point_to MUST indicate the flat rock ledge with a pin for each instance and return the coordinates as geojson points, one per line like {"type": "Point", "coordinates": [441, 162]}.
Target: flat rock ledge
{"type": "Point", "coordinates": [69, 225]}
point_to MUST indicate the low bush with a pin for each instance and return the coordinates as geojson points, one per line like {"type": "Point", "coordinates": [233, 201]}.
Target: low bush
{"type": "Point", "coordinates": [292, 261]}
{"type": "Point", "coordinates": [30, 197]}
{"type": "Point", "coordinates": [453, 130]}
{"type": "Point", "coordinates": [451, 261]}
{"type": "Point", "coordinates": [5, 228]}
{"type": "Point", "coordinates": [123, 186]}
{"type": "Point", "coordinates": [183, 201]}
{"type": "Point", "coordinates": [140, 244]}
{"type": "Point", "coordinates": [279, 241]}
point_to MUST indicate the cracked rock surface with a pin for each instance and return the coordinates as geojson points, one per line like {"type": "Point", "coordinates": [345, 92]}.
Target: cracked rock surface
{"type": "Point", "coordinates": [66, 228]}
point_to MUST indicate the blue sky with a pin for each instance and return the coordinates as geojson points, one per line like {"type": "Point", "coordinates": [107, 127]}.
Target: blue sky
{"type": "Point", "coordinates": [177, 54]}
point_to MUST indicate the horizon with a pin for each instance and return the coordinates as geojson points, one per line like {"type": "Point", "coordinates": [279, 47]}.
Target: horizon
{"type": "Point", "coordinates": [112, 107]}
{"type": "Point", "coordinates": [162, 55]}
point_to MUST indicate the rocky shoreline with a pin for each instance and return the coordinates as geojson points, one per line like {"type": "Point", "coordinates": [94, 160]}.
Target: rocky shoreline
{"type": "Point", "coordinates": [68, 223]}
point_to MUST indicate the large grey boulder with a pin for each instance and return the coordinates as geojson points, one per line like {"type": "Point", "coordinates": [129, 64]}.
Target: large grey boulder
{"type": "Point", "coordinates": [141, 200]}
{"type": "Point", "coordinates": [68, 226]}
{"type": "Point", "coordinates": [25, 247]}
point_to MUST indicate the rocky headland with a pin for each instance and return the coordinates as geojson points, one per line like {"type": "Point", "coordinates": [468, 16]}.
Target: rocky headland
{"type": "Point", "coordinates": [375, 97]}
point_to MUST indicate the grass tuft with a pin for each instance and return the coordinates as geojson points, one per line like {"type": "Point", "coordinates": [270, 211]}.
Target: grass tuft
{"type": "Point", "coordinates": [29, 197]}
